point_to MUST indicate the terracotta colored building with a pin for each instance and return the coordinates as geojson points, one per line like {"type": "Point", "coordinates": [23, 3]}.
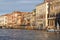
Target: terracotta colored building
{"type": "Point", "coordinates": [14, 19]}
{"type": "Point", "coordinates": [17, 19]}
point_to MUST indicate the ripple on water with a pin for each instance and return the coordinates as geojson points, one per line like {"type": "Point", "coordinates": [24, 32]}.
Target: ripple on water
{"type": "Point", "coordinates": [17, 34]}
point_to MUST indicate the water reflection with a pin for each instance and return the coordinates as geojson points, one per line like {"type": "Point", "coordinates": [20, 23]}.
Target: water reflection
{"type": "Point", "coordinates": [17, 34]}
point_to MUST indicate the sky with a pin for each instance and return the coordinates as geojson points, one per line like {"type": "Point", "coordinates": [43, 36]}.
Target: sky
{"type": "Point", "coordinates": [7, 6]}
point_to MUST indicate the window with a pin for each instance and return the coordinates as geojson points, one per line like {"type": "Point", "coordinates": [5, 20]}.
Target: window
{"type": "Point", "coordinates": [51, 22]}
{"type": "Point", "coordinates": [52, 15]}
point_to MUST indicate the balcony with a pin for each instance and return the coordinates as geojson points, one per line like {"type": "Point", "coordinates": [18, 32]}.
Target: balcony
{"type": "Point", "coordinates": [52, 18]}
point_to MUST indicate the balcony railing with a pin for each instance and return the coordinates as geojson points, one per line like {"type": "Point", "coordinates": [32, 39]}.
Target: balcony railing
{"type": "Point", "coordinates": [52, 18]}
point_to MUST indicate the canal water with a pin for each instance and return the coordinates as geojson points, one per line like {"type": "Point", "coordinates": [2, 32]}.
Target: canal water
{"type": "Point", "coordinates": [17, 34]}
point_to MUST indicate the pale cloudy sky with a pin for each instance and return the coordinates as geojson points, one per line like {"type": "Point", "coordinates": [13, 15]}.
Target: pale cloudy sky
{"type": "Point", "coordinates": [7, 6]}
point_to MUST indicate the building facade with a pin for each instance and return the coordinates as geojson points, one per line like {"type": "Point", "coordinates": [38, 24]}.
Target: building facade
{"type": "Point", "coordinates": [33, 19]}
{"type": "Point", "coordinates": [47, 13]}
{"type": "Point", "coordinates": [18, 19]}
{"type": "Point", "coordinates": [41, 15]}
{"type": "Point", "coordinates": [50, 0]}
{"type": "Point", "coordinates": [53, 13]}
{"type": "Point", "coordinates": [14, 19]}
{"type": "Point", "coordinates": [27, 20]}
{"type": "Point", "coordinates": [3, 21]}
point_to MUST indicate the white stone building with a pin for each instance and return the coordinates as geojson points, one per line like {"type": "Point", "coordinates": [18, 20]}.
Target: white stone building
{"type": "Point", "coordinates": [3, 21]}
{"type": "Point", "coordinates": [41, 15]}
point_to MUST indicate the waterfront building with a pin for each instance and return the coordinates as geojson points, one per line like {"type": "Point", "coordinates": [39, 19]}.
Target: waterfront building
{"type": "Point", "coordinates": [17, 19]}
{"type": "Point", "coordinates": [14, 19]}
{"type": "Point", "coordinates": [9, 20]}
{"type": "Point", "coordinates": [3, 21]}
{"type": "Point", "coordinates": [41, 15]}
{"type": "Point", "coordinates": [27, 19]}
{"type": "Point", "coordinates": [33, 19]}
{"type": "Point", "coordinates": [51, 0]}
{"type": "Point", "coordinates": [54, 10]}
{"type": "Point", "coordinates": [16, 16]}
{"type": "Point", "coordinates": [47, 13]}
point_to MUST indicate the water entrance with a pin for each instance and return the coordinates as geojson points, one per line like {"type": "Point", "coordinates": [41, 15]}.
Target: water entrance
{"type": "Point", "coordinates": [57, 21]}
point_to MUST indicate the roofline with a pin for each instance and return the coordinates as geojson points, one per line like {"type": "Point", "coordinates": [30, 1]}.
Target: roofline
{"type": "Point", "coordinates": [41, 3]}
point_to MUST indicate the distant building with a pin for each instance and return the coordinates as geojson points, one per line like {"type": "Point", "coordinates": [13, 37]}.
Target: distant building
{"type": "Point", "coordinates": [33, 19]}
{"type": "Point", "coordinates": [16, 16]}
{"type": "Point", "coordinates": [3, 21]}
{"type": "Point", "coordinates": [16, 19]}
{"type": "Point", "coordinates": [27, 17]}
{"type": "Point", "coordinates": [9, 20]}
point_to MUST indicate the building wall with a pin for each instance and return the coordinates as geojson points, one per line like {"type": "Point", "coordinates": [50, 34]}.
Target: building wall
{"type": "Point", "coordinates": [54, 10]}
{"type": "Point", "coordinates": [3, 21]}
{"type": "Point", "coordinates": [41, 15]}
{"type": "Point", "coordinates": [50, 0]}
{"type": "Point", "coordinates": [16, 19]}
{"type": "Point", "coordinates": [27, 17]}
{"type": "Point", "coordinates": [33, 19]}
